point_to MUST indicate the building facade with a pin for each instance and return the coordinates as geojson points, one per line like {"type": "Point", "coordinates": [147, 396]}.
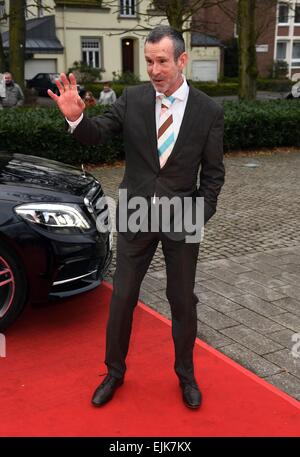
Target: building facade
{"type": "Point", "coordinates": [108, 36]}
{"type": "Point", "coordinates": [278, 26]}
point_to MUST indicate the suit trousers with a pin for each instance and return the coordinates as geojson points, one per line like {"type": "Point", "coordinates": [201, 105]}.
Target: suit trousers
{"type": "Point", "coordinates": [132, 262]}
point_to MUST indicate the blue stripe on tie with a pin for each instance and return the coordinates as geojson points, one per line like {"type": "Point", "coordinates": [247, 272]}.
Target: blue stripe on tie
{"type": "Point", "coordinates": [166, 144]}
{"type": "Point", "coordinates": [171, 98]}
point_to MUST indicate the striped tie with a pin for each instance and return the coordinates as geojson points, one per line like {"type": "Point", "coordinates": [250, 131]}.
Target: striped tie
{"type": "Point", "coordinates": [165, 136]}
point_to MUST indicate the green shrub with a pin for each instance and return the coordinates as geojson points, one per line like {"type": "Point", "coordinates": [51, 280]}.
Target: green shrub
{"type": "Point", "coordinates": [127, 77]}
{"type": "Point", "coordinates": [261, 124]}
{"type": "Point", "coordinates": [248, 125]}
{"type": "Point", "coordinates": [84, 73]}
{"type": "Point", "coordinates": [216, 89]}
{"type": "Point", "coordinates": [42, 132]}
{"type": "Point", "coordinates": [274, 85]}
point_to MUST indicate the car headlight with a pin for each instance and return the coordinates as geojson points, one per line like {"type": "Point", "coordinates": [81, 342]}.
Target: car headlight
{"type": "Point", "coordinates": [53, 215]}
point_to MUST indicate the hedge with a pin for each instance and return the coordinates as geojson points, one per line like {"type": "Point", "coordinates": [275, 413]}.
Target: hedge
{"type": "Point", "coordinates": [212, 89]}
{"type": "Point", "coordinates": [248, 125]}
{"type": "Point", "coordinates": [260, 124]}
{"type": "Point", "coordinates": [41, 132]}
{"type": "Point", "coordinates": [227, 87]}
{"type": "Point", "coordinates": [265, 84]}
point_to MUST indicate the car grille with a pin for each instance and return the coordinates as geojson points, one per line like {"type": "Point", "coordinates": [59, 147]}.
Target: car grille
{"type": "Point", "coordinates": [96, 204]}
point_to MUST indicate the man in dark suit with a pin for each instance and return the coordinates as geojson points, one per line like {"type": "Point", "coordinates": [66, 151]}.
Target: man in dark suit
{"type": "Point", "coordinates": [170, 130]}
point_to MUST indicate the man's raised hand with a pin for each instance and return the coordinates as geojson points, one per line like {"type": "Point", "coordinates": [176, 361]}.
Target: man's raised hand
{"type": "Point", "coordinates": [69, 101]}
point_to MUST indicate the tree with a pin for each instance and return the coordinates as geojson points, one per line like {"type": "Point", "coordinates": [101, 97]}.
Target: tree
{"type": "Point", "coordinates": [2, 56]}
{"type": "Point", "coordinates": [252, 18]}
{"type": "Point", "coordinates": [17, 39]}
{"type": "Point", "coordinates": [3, 17]}
{"type": "Point", "coordinates": [247, 49]}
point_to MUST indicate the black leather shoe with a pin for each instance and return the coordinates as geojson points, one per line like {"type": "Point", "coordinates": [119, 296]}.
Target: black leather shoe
{"type": "Point", "coordinates": [191, 394]}
{"type": "Point", "coordinates": [105, 391]}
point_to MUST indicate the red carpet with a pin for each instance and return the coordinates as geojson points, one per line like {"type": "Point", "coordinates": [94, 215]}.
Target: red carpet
{"type": "Point", "coordinates": [53, 366]}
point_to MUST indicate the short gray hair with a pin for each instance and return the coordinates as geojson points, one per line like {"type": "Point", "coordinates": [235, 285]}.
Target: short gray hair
{"type": "Point", "coordinates": [163, 31]}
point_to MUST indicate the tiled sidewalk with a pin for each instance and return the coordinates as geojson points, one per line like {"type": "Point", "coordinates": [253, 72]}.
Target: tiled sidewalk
{"type": "Point", "coordinates": [248, 275]}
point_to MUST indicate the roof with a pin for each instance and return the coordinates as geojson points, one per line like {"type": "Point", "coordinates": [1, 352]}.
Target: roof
{"type": "Point", "coordinates": [81, 3]}
{"type": "Point", "coordinates": [200, 39]}
{"type": "Point", "coordinates": [40, 36]}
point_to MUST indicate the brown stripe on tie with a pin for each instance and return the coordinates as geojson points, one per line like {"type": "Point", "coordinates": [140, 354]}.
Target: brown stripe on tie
{"type": "Point", "coordinates": [165, 125]}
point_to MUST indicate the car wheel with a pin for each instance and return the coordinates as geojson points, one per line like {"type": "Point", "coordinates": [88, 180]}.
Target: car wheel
{"type": "Point", "coordinates": [13, 287]}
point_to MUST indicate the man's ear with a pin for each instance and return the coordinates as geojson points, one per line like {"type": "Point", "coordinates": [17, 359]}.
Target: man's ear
{"type": "Point", "coordinates": [182, 60]}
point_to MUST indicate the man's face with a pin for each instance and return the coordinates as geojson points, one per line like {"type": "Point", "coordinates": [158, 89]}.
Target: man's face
{"type": "Point", "coordinates": [7, 78]}
{"type": "Point", "coordinates": [164, 72]}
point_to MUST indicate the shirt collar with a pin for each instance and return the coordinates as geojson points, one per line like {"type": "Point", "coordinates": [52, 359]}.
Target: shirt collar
{"type": "Point", "coordinates": [181, 93]}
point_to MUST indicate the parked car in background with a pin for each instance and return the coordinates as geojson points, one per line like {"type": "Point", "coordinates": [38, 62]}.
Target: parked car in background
{"type": "Point", "coordinates": [44, 81]}
{"type": "Point", "coordinates": [55, 237]}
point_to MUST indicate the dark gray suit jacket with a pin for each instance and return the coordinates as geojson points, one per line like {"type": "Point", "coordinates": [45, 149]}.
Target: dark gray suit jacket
{"type": "Point", "coordinates": [199, 144]}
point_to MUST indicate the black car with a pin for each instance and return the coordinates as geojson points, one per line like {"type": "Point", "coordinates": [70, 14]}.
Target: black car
{"type": "Point", "coordinates": [55, 233]}
{"type": "Point", "coordinates": [44, 81]}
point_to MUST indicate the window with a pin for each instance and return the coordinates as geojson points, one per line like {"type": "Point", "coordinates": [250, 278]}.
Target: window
{"type": "Point", "coordinates": [2, 9]}
{"type": "Point", "coordinates": [91, 52]}
{"type": "Point", "coordinates": [127, 8]}
{"type": "Point", "coordinates": [297, 14]}
{"type": "Point", "coordinates": [296, 54]}
{"type": "Point", "coordinates": [281, 50]}
{"type": "Point", "coordinates": [283, 13]}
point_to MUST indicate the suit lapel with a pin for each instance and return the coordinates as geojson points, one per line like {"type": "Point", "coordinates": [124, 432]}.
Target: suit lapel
{"type": "Point", "coordinates": [150, 121]}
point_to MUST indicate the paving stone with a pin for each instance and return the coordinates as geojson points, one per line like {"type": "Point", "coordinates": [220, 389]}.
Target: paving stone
{"type": "Point", "coordinates": [289, 278]}
{"type": "Point", "coordinates": [290, 268]}
{"type": "Point", "coordinates": [211, 336]}
{"type": "Point", "coordinates": [250, 360]}
{"type": "Point", "coordinates": [148, 297]}
{"type": "Point", "coordinates": [265, 259]}
{"type": "Point", "coordinates": [241, 259]}
{"type": "Point", "coordinates": [283, 337]}
{"type": "Point", "coordinates": [258, 305]}
{"type": "Point", "coordinates": [262, 279]}
{"type": "Point", "coordinates": [255, 321]}
{"type": "Point", "coordinates": [202, 276]}
{"type": "Point", "coordinates": [286, 361]}
{"type": "Point", "coordinates": [264, 268]}
{"type": "Point", "coordinates": [259, 290]}
{"type": "Point", "coordinates": [216, 301]}
{"type": "Point", "coordinates": [162, 308]}
{"type": "Point", "coordinates": [227, 276]}
{"type": "Point", "coordinates": [282, 251]}
{"type": "Point", "coordinates": [222, 288]}
{"type": "Point", "coordinates": [290, 258]}
{"type": "Point", "coordinates": [288, 304]}
{"type": "Point", "coordinates": [289, 320]}
{"type": "Point", "coordinates": [251, 339]}
{"type": "Point", "coordinates": [150, 283]}
{"type": "Point", "coordinates": [228, 264]}
{"type": "Point", "coordinates": [214, 318]}
{"type": "Point", "coordinates": [160, 274]}
{"type": "Point", "coordinates": [287, 383]}
{"type": "Point", "coordinates": [290, 291]}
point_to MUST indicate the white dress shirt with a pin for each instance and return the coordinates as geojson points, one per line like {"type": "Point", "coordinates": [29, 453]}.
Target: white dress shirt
{"type": "Point", "coordinates": [176, 109]}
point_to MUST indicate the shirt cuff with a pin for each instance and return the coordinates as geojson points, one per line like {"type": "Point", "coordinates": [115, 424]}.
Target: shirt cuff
{"type": "Point", "coordinates": [73, 124]}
